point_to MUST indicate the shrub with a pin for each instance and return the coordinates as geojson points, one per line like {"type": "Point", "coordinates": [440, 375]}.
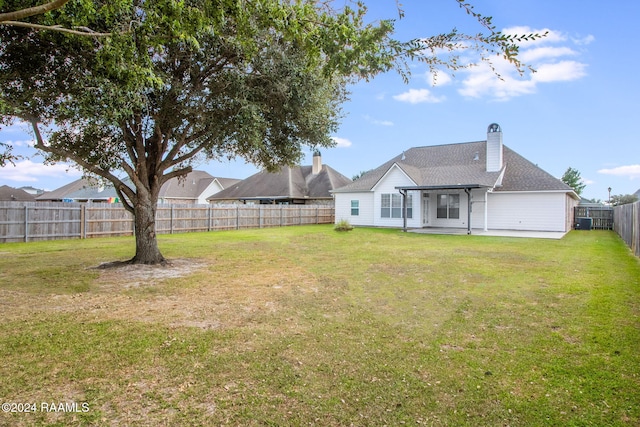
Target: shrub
{"type": "Point", "coordinates": [343, 225]}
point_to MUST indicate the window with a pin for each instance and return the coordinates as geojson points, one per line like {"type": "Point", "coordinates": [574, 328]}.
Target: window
{"type": "Point", "coordinates": [385, 210]}
{"type": "Point", "coordinates": [355, 207]}
{"type": "Point", "coordinates": [391, 206]}
{"type": "Point", "coordinates": [448, 206]}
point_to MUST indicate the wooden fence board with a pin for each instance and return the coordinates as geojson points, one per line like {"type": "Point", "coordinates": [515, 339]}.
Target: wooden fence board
{"type": "Point", "coordinates": [627, 225]}
{"type": "Point", "coordinates": [26, 221]}
{"type": "Point", "coordinates": [601, 217]}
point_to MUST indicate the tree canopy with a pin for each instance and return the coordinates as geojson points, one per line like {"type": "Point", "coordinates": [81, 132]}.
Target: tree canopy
{"type": "Point", "coordinates": [572, 178]}
{"type": "Point", "coordinates": [177, 81]}
{"type": "Point", "coordinates": [623, 199]}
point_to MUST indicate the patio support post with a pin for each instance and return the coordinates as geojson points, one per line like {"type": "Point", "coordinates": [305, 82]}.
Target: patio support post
{"type": "Point", "coordinates": [468, 191]}
{"type": "Point", "coordinates": [404, 210]}
{"type": "Point", "coordinates": [486, 210]}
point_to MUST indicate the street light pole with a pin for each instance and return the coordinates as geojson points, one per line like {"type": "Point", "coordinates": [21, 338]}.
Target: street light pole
{"type": "Point", "coordinates": [609, 195]}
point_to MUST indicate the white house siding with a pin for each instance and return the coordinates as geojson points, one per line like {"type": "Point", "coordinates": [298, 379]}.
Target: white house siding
{"type": "Point", "coordinates": [527, 211]}
{"type": "Point", "coordinates": [343, 208]}
{"type": "Point", "coordinates": [477, 208]}
{"type": "Point", "coordinates": [387, 185]}
{"type": "Point", "coordinates": [212, 189]}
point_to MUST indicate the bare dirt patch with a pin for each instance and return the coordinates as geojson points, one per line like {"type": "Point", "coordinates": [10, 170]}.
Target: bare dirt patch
{"type": "Point", "coordinates": [124, 275]}
{"type": "Point", "coordinates": [184, 293]}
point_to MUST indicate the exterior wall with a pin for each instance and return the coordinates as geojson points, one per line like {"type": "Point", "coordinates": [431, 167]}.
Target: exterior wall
{"type": "Point", "coordinates": [387, 185]}
{"type": "Point", "coordinates": [460, 222]}
{"type": "Point", "coordinates": [571, 204]}
{"type": "Point", "coordinates": [478, 203]}
{"type": "Point", "coordinates": [212, 189]}
{"type": "Point", "coordinates": [343, 208]}
{"type": "Point", "coordinates": [528, 211]}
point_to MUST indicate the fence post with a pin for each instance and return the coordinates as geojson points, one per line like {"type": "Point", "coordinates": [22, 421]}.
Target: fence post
{"type": "Point", "coordinates": [237, 217]}
{"type": "Point", "coordinates": [259, 216]}
{"type": "Point", "coordinates": [209, 222]}
{"type": "Point", "coordinates": [171, 221]}
{"type": "Point", "coordinates": [26, 223]}
{"type": "Point", "coordinates": [83, 224]}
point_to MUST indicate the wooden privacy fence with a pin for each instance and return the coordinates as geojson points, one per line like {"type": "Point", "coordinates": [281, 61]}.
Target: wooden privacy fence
{"type": "Point", "coordinates": [22, 222]}
{"type": "Point", "coordinates": [626, 220]}
{"type": "Point", "coordinates": [601, 217]}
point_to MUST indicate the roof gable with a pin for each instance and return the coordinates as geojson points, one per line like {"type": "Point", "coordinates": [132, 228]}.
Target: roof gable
{"type": "Point", "coordinates": [406, 170]}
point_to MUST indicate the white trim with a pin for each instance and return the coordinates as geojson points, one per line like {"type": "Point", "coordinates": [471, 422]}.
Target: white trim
{"type": "Point", "coordinates": [388, 172]}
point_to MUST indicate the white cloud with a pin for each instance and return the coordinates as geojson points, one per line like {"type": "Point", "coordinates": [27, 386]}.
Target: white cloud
{"type": "Point", "coordinates": [549, 62]}
{"type": "Point", "coordinates": [630, 171]}
{"type": "Point", "coordinates": [417, 96]}
{"type": "Point", "coordinates": [341, 142]}
{"type": "Point", "coordinates": [482, 81]}
{"type": "Point", "coordinates": [438, 79]}
{"type": "Point", "coordinates": [583, 41]}
{"type": "Point", "coordinates": [28, 171]}
{"type": "Point", "coordinates": [377, 122]}
{"type": "Point", "coordinates": [544, 52]}
{"type": "Point", "coordinates": [559, 72]}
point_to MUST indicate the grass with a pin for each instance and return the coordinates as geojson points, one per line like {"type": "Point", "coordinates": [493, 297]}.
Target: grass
{"type": "Point", "coordinates": [305, 326]}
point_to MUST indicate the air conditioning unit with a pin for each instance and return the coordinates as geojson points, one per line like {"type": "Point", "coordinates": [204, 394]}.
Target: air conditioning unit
{"type": "Point", "coordinates": [583, 223]}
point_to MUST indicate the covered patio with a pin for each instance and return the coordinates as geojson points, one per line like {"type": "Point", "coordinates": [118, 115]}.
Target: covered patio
{"type": "Point", "coordinates": [466, 187]}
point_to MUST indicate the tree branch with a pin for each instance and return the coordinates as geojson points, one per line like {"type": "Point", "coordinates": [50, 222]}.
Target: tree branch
{"type": "Point", "coordinates": [31, 11]}
{"type": "Point", "coordinates": [118, 184]}
{"type": "Point", "coordinates": [85, 31]}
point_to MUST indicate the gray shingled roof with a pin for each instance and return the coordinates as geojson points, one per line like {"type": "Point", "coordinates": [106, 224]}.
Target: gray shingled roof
{"type": "Point", "coordinates": [297, 182]}
{"type": "Point", "coordinates": [15, 194]}
{"type": "Point", "coordinates": [64, 191]}
{"type": "Point", "coordinates": [461, 164]}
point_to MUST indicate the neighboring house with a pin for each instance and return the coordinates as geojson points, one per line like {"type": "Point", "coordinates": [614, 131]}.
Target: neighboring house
{"type": "Point", "coordinates": [192, 189]}
{"type": "Point", "coordinates": [483, 185]}
{"type": "Point", "coordinates": [11, 194]}
{"type": "Point", "coordinates": [32, 190]}
{"type": "Point", "coordinates": [62, 193]}
{"type": "Point", "coordinates": [291, 185]}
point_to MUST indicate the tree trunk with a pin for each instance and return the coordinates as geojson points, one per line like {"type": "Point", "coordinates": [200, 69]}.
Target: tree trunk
{"type": "Point", "coordinates": [147, 251]}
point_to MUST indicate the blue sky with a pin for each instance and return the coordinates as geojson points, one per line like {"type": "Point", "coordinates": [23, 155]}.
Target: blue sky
{"type": "Point", "coordinates": [579, 110]}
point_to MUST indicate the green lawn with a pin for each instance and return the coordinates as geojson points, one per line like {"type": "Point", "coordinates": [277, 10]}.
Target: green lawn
{"type": "Point", "coordinates": [307, 326]}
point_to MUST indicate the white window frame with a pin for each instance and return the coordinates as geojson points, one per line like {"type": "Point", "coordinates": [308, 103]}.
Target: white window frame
{"type": "Point", "coordinates": [355, 208]}
{"type": "Point", "coordinates": [391, 205]}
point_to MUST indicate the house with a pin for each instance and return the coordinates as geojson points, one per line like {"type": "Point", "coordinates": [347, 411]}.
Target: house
{"type": "Point", "coordinates": [32, 190]}
{"type": "Point", "coordinates": [290, 185]}
{"type": "Point", "coordinates": [11, 194]}
{"type": "Point", "coordinates": [194, 188]}
{"type": "Point", "coordinates": [61, 194]}
{"type": "Point", "coordinates": [476, 185]}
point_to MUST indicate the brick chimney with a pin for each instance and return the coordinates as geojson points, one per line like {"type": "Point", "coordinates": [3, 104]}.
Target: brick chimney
{"type": "Point", "coordinates": [494, 148]}
{"type": "Point", "coordinates": [317, 163]}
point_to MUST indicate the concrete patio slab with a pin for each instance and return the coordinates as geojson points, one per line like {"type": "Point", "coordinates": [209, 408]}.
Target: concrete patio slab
{"type": "Point", "coordinates": [499, 233]}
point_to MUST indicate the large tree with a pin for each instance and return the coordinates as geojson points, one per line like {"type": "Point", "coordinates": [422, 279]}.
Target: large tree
{"type": "Point", "coordinates": [179, 81]}
{"type": "Point", "coordinates": [572, 178]}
